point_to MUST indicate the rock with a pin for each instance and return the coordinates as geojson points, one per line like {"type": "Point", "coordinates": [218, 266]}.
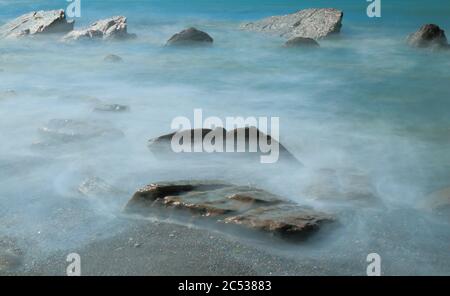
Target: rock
{"type": "Point", "coordinates": [428, 36]}
{"type": "Point", "coordinates": [37, 22]}
{"type": "Point", "coordinates": [107, 29]}
{"type": "Point", "coordinates": [8, 94]}
{"type": "Point", "coordinates": [438, 202]}
{"type": "Point", "coordinates": [96, 187]}
{"type": "Point", "coordinates": [112, 58]}
{"type": "Point", "coordinates": [301, 42]}
{"type": "Point", "coordinates": [190, 36]}
{"type": "Point", "coordinates": [10, 255]}
{"type": "Point", "coordinates": [251, 136]}
{"type": "Point", "coordinates": [111, 108]}
{"type": "Point", "coordinates": [62, 131]}
{"type": "Point", "coordinates": [229, 204]}
{"type": "Point", "coordinates": [342, 186]}
{"type": "Point", "coordinates": [315, 23]}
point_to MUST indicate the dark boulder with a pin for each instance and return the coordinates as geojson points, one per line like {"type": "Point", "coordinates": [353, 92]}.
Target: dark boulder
{"type": "Point", "coordinates": [428, 36]}
{"type": "Point", "coordinates": [190, 36]}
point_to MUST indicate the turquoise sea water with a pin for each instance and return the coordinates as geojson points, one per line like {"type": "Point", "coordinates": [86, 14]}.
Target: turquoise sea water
{"type": "Point", "coordinates": [363, 101]}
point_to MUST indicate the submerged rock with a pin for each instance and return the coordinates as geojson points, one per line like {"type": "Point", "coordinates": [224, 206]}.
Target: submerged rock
{"type": "Point", "coordinates": [8, 94]}
{"type": "Point", "coordinates": [226, 203]}
{"type": "Point", "coordinates": [112, 58]}
{"type": "Point", "coordinates": [312, 23]}
{"type": "Point", "coordinates": [10, 255]}
{"type": "Point", "coordinates": [111, 108]}
{"type": "Point", "coordinates": [342, 186]}
{"type": "Point", "coordinates": [245, 137]}
{"type": "Point", "coordinates": [97, 187]}
{"type": "Point", "coordinates": [61, 131]}
{"type": "Point", "coordinates": [37, 22]}
{"type": "Point", "coordinates": [301, 42]}
{"type": "Point", "coordinates": [190, 36]}
{"type": "Point", "coordinates": [428, 36]}
{"type": "Point", "coordinates": [107, 29]}
{"type": "Point", "coordinates": [438, 202]}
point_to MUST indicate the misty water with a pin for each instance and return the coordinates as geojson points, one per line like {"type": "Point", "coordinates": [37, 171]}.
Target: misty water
{"type": "Point", "coordinates": [364, 102]}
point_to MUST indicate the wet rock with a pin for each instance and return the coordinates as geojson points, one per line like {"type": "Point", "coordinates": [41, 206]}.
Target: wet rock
{"type": "Point", "coordinates": [428, 36]}
{"type": "Point", "coordinates": [342, 186]}
{"type": "Point", "coordinates": [10, 255]}
{"type": "Point", "coordinates": [107, 29]}
{"type": "Point", "coordinates": [301, 42]}
{"type": "Point", "coordinates": [230, 204]}
{"type": "Point", "coordinates": [112, 58]}
{"type": "Point", "coordinates": [37, 22]}
{"type": "Point", "coordinates": [438, 202]}
{"type": "Point", "coordinates": [245, 137]}
{"type": "Point", "coordinates": [97, 187]}
{"type": "Point", "coordinates": [61, 131]}
{"type": "Point", "coordinates": [111, 108]}
{"type": "Point", "coordinates": [190, 36]}
{"type": "Point", "coordinates": [315, 23]}
{"type": "Point", "coordinates": [8, 94]}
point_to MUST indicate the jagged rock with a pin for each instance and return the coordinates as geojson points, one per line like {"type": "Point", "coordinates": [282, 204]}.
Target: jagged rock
{"type": "Point", "coordinates": [312, 23]}
{"type": "Point", "coordinates": [112, 58]}
{"type": "Point", "coordinates": [342, 186]}
{"type": "Point", "coordinates": [37, 22]}
{"type": "Point", "coordinates": [428, 36]}
{"type": "Point", "coordinates": [301, 42]}
{"type": "Point", "coordinates": [226, 203]}
{"type": "Point", "coordinates": [438, 202]}
{"type": "Point", "coordinates": [190, 36]}
{"type": "Point", "coordinates": [111, 28]}
{"type": "Point", "coordinates": [61, 131]}
{"type": "Point", "coordinates": [111, 108]}
{"type": "Point", "coordinates": [247, 137]}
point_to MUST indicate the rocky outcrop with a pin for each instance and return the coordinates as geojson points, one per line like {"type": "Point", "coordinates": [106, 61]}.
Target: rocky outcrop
{"type": "Point", "coordinates": [37, 22]}
{"type": "Point", "coordinates": [229, 204]}
{"type": "Point", "coordinates": [107, 29]}
{"type": "Point", "coordinates": [190, 36]}
{"type": "Point", "coordinates": [244, 137]}
{"type": "Point", "coordinates": [301, 42]}
{"type": "Point", "coordinates": [312, 23]}
{"type": "Point", "coordinates": [428, 36]}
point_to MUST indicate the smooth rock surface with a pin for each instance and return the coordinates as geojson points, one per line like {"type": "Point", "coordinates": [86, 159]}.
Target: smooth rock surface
{"type": "Point", "coordinates": [190, 36]}
{"type": "Point", "coordinates": [315, 23]}
{"type": "Point", "coordinates": [245, 206]}
{"type": "Point", "coordinates": [428, 36]}
{"type": "Point", "coordinates": [106, 29]}
{"type": "Point", "coordinates": [37, 22]}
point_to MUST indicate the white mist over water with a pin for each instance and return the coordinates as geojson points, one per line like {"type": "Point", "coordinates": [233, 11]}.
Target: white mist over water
{"type": "Point", "coordinates": [363, 102]}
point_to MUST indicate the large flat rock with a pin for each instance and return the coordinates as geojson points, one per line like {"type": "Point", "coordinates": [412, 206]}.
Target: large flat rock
{"type": "Point", "coordinates": [315, 23]}
{"type": "Point", "coordinates": [37, 22]}
{"type": "Point", "coordinates": [229, 204]}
